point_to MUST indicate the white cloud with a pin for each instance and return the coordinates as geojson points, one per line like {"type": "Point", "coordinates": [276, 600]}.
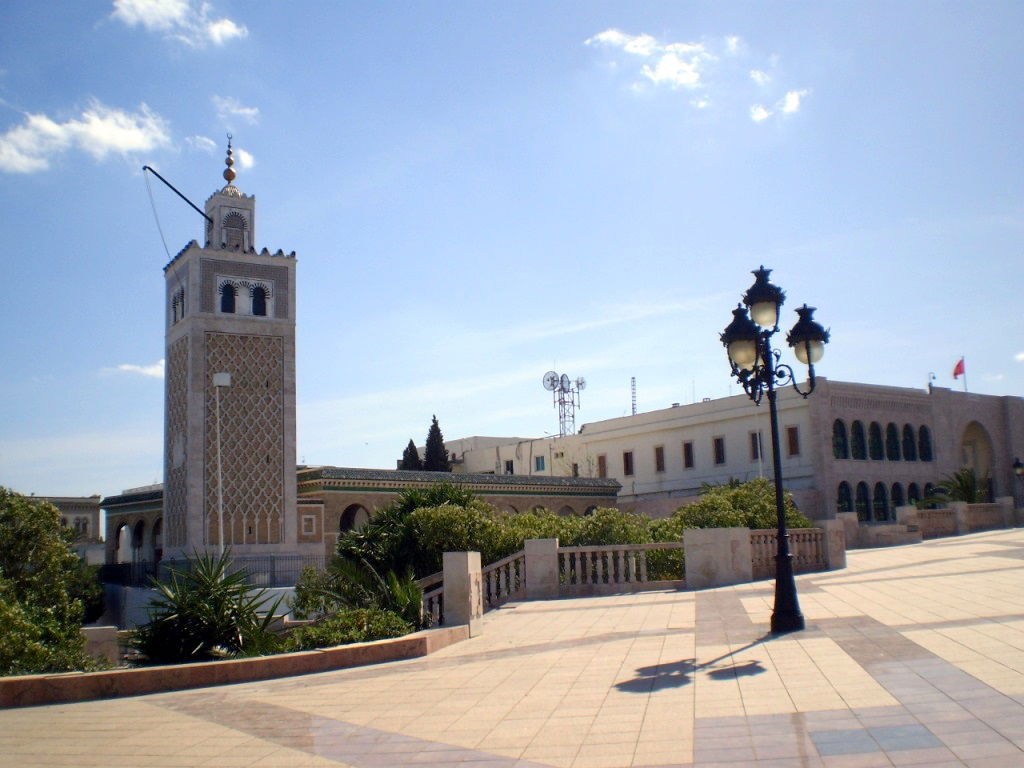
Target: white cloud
{"type": "Point", "coordinates": [702, 102]}
{"type": "Point", "coordinates": [201, 143]}
{"type": "Point", "coordinates": [245, 159]}
{"type": "Point", "coordinates": [790, 103]}
{"type": "Point", "coordinates": [222, 30]}
{"type": "Point", "coordinates": [228, 107]}
{"type": "Point", "coordinates": [183, 20]}
{"type": "Point", "coordinates": [99, 131]}
{"type": "Point", "coordinates": [154, 371]}
{"type": "Point", "coordinates": [677, 65]}
{"type": "Point", "coordinates": [760, 77]}
{"type": "Point", "coordinates": [732, 44]}
{"type": "Point", "coordinates": [1019, 357]}
{"type": "Point", "coordinates": [758, 113]}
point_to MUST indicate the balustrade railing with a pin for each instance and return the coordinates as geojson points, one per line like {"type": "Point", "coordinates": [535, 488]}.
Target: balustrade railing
{"type": "Point", "coordinates": [504, 580]}
{"type": "Point", "coordinates": [936, 522]}
{"type": "Point", "coordinates": [433, 597]}
{"type": "Point", "coordinates": [612, 567]}
{"type": "Point", "coordinates": [806, 545]}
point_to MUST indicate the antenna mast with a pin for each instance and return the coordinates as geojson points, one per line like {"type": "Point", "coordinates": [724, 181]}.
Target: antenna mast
{"type": "Point", "coordinates": [632, 389]}
{"type": "Point", "coordinates": [565, 395]}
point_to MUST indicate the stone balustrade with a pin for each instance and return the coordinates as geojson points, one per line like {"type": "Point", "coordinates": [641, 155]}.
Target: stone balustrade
{"type": "Point", "coordinates": [504, 580]}
{"type": "Point", "coordinates": [806, 545]}
{"type": "Point", "coordinates": [618, 568]}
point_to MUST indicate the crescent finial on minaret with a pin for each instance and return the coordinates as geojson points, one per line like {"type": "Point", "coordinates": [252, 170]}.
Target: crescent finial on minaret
{"type": "Point", "coordinates": [229, 173]}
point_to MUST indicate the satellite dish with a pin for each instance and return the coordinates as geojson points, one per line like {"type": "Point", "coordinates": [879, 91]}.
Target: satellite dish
{"type": "Point", "coordinates": [550, 381]}
{"type": "Point", "coordinates": [581, 383]}
{"type": "Point", "coordinates": [566, 384]}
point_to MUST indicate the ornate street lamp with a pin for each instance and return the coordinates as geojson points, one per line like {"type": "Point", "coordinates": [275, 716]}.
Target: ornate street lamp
{"type": "Point", "coordinates": [1018, 470]}
{"type": "Point", "coordinates": [756, 365]}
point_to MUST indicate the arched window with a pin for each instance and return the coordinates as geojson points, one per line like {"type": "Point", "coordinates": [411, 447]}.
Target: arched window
{"type": "Point", "coordinates": [913, 494]}
{"type": "Point", "coordinates": [892, 442]}
{"type": "Point", "coordinates": [881, 502]}
{"type": "Point", "coordinates": [178, 306]}
{"type": "Point", "coordinates": [863, 502]}
{"type": "Point", "coordinates": [924, 444]}
{"type": "Point", "coordinates": [909, 443]}
{"type": "Point", "coordinates": [228, 293]}
{"type": "Point", "coordinates": [875, 450]}
{"type": "Point", "coordinates": [840, 445]}
{"type": "Point", "coordinates": [844, 498]}
{"type": "Point", "coordinates": [259, 301]}
{"type": "Point", "coordinates": [897, 495]}
{"type": "Point", "coordinates": [858, 445]}
{"type": "Point", "coordinates": [234, 231]}
{"type": "Point", "coordinates": [929, 491]}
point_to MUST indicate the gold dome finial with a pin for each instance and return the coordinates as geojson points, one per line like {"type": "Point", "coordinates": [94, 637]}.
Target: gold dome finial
{"type": "Point", "coordinates": [229, 174]}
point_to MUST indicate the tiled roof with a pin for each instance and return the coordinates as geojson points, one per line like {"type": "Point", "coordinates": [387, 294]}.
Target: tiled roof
{"type": "Point", "coordinates": [132, 498]}
{"type": "Point", "coordinates": [458, 478]}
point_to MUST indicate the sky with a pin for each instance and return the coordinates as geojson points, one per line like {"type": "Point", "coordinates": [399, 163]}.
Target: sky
{"type": "Point", "coordinates": [478, 193]}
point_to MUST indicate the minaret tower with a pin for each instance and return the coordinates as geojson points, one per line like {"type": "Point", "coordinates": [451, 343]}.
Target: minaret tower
{"type": "Point", "coordinates": [229, 400]}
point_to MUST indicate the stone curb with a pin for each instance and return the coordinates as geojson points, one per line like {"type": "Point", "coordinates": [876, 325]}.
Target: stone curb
{"type": "Point", "coordinates": [33, 690]}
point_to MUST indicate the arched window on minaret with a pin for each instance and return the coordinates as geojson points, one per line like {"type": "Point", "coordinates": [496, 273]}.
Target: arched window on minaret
{"type": "Point", "coordinates": [228, 293]}
{"type": "Point", "coordinates": [233, 231]}
{"type": "Point", "coordinates": [259, 301]}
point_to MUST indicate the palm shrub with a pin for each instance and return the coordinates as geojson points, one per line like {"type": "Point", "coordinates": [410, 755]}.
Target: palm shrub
{"type": "Point", "coordinates": [205, 611]}
{"type": "Point", "coordinates": [347, 585]}
{"type": "Point", "coordinates": [962, 485]}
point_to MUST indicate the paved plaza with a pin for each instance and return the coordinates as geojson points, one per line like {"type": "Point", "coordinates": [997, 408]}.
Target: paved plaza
{"type": "Point", "coordinates": [913, 656]}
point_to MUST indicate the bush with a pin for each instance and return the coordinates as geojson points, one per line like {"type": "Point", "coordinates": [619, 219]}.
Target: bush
{"type": "Point", "coordinates": [386, 543]}
{"type": "Point", "coordinates": [206, 612]}
{"type": "Point", "coordinates": [747, 505]}
{"type": "Point", "coordinates": [40, 618]}
{"type": "Point", "coordinates": [358, 625]}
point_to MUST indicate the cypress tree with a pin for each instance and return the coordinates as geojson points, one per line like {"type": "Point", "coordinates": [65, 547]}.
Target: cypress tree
{"type": "Point", "coordinates": [411, 458]}
{"type": "Point", "coordinates": [435, 457]}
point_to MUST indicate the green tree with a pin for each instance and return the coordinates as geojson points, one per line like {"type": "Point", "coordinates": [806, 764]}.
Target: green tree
{"type": "Point", "coordinates": [40, 619]}
{"type": "Point", "coordinates": [411, 458]}
{"type": "Point", "coordinates": [435, 456]}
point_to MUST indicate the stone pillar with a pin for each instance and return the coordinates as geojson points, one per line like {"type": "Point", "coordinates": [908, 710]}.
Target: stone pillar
{"type": "Point", "coordinates": [717, 557]}
{"type": "Point", "coordinates": [835, 543]}
{"type": "Point", "coordinates": [541, 569]}
{"type": "Point", "coordinates": [852, 526]}
{"type": "Point", "coordinates": [907, 515]}
{"type": "Point", "coordinates": [463, 597]}
{"type": "Point", "coordinates": [960, 516]}
{"type": "Point", "coordinates": [1006, 507]}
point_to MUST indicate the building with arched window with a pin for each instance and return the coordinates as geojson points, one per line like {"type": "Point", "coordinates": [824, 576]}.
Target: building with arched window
{"type": "Point", "coordinates": [848, 447]}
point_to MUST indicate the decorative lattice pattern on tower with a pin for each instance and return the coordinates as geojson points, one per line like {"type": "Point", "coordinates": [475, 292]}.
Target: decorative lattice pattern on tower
{"type": "Point", "coordinates": [252, 437]}
{"type": "Point", "coordinates": [175, 469]}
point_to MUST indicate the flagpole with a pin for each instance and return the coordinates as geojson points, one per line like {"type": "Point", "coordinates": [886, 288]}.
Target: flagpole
{"type": "Point", "coordinates": [964, 361]}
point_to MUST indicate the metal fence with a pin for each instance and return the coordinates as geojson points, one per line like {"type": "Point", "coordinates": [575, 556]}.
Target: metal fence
{"type": "Point", "coordinates": [260, 570]}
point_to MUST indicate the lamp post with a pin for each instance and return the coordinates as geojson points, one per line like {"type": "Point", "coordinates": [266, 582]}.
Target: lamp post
{"type": "Point", "coordinates": [220, 381]}
{"type": "Point", "coordinates": [756, 366]}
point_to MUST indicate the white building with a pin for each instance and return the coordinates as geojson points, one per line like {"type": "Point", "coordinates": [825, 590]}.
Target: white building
{"type": "Point", "coordinates": [848, 446]}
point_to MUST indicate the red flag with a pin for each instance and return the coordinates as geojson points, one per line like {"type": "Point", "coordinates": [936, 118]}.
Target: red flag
{"type": "Point", "coordinates": [959, 371]}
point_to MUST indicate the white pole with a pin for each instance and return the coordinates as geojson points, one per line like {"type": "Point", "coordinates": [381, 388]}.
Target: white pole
{"type": "Point", "coordinates": [220, 479]}
{"type": "Point", "coordinates": [219, 380]}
